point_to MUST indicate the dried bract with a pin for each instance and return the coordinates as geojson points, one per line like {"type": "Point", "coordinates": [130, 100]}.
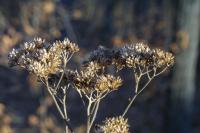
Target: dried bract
{"type": "Point", "coordinates": [108, 82]}
{"type": "Point", "coordinates": [163, 58]}
{"type": "Point", "coordinates": [115, 125]}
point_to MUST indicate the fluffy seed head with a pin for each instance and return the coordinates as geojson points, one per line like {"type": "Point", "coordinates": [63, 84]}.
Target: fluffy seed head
{"type": "Point", "coordinates": [108, 82]}
{"type": "Point", "coordinates": [92, 79]}
{"type": "Point", "coordinates": [42, 58]}
{"type": "Point", "coordinates": [115, 125]}
{"type": "Point", "coordinates": [163, 58]}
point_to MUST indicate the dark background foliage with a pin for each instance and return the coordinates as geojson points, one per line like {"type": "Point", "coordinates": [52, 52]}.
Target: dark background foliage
{"type": "Point", "coordinates": [170, 103]}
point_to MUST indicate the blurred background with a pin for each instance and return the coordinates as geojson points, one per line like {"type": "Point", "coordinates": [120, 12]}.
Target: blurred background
{"type": "Point", "coordinates": [170, 104]}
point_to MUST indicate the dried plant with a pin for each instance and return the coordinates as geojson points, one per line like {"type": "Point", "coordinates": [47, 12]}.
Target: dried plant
{"type": "Point", "coordinates": [115, 125]}
{"type": "Point", "coordinates": [44, 59]}
{"type": "Point", "coordinates": [94, 85]}
{"type": "Point", "coordinates": [144, 62]}
{"type": "Point", "coordinates": [49, 63]}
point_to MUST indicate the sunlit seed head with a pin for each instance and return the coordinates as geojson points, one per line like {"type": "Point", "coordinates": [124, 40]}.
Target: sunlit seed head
{"type": "Point", "coordinates": [163, 58]}
{"type": "Point", "coordinates": [140, 54]}
{"type": "Point", "coordinates": [40, 58]}
{"type": "Point", "coordinates": [115, 125]}
{"type": "Point", "coordinates": [108, 83]}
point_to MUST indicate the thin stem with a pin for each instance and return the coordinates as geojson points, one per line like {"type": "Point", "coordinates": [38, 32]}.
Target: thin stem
{"type": "Point", "coordinates": [54, 99]}
{"type": "Point", "coordinates": [156, 74]}
{"type": "Point", "coordinates": [65, 112]}
{"type": "Point", "coordinates": [94, 107]}
{"type": "Point", "coordinates": [95, 113]}
{"type": "Point", "coordinates": [137, 86]}
{"type": "Point", "coordinates": [70, 57]}
{"type": "Point", "coordinates": [134, 97]}
{"type": "Point", "coordinates": [64, 116]}
{"type": "Point", "coordinates": [129, 105]}
{"type": "Point", "coordinates": [137, 83]}
{"type": "Point", "coordinates": [145, 86]}
{"type": "Point", "coordinates": [79, 92]}
{"type": "Point", "coordinates": [66, 60]}
{"type": "Point", "coordinates": [68, 126]}
{"type": "Point", "coordinates": [61, 77]}
{"type": "Point", "coordinates": [132, 100]}
{"type": "Point", "coordinates": [88, 116]}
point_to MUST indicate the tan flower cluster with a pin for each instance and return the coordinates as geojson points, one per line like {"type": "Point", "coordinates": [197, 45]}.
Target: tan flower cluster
{"type": "Point", "coordinates": [42, 58]}
{"type": "Point", "coordinates": [140, 54]}
{"type": "Point", "coordinates": [115, 125]}
{"type": "Point", "coordinates": [91, 79]}
{"type": "Point", "coordinates": [138, 48]}
{"type": "Point", "coordinates": [136, 54]}
{"type": "Point", "coordinates": [163, 58]}
{"type": "Point", "coordinates": [108, 82]}
{"type": "Point", "coordinates": [102, 55]}
{"type": "Point", "coordinates": [133, 55]}
{"type": "Point", "coordinates": [65, 46]}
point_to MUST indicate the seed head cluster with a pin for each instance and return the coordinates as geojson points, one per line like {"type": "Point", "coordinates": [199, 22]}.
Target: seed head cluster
{"type": "Point", "coordinates": [163, 58]}
{"type": "Point", "coordinates": [133, 55]}
{"type": "Point", "coordinates": [102, 55]}
{"type": "Point", "coordinates": [42, 58]}
{"type": "Point", "coordinates": [108, 82]}
{"type": "Point", "coordinates": [140, 54]}
{"type": "Point", "coordinates": [91, 79]}
{"type": "Point", "coordinates": [115, 125]}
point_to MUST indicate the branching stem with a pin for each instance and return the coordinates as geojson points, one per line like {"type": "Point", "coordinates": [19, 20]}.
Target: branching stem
{"type": "Point", "coordinates": [137, 90]}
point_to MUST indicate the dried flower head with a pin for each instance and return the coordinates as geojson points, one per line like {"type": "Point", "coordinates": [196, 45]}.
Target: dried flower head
{"type": "Point", "coordinates": [83, 80]}
{"type": "Point", "coordinates": [138, 48]}
{"type": "Point", "coordinates": [91, 79]}
{"type": "Point", "coordinates": [66, 46]}
{"type": "Point", "coordinates": [102, 55]}
{"type": "Point", "coordinates": [163, 58]}
{"type": "Point", "coordinates": [132, 56]}
{"type": "Point", "coordinates": [108, 82]}
{"type": "Point", "coordinates": [140, 54]}
{"type": "Point", "coordinates": [42, 58]}
{"type": "Point", "coordinates": [92, 68]}
{"type": "Point", "coordinates": [115, 125]}
{"type": "Point", "coordinates": [136, 54]}
{"type": "Point", "coordinates": [106, 57]}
